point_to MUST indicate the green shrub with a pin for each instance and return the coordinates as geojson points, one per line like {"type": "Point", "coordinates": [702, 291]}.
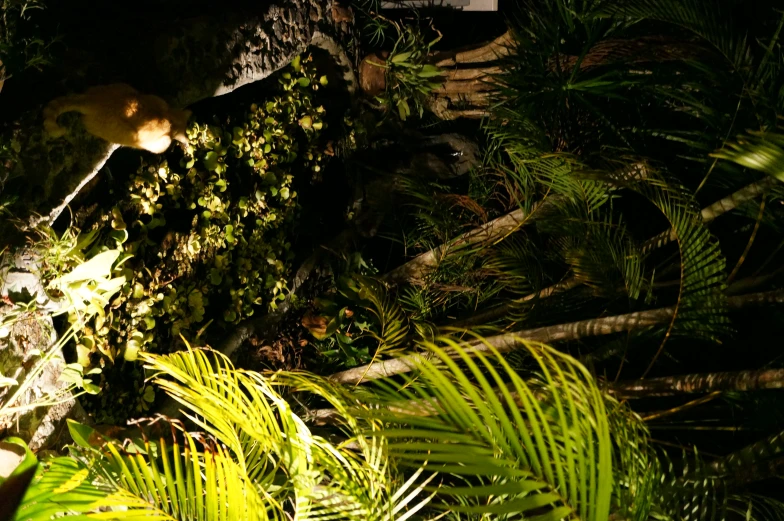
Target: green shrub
{"type": "Point", "coordinates": [205, 232]}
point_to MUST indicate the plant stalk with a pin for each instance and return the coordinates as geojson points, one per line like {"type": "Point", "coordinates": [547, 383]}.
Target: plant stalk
{"type": "Point", "coordinates": [571, 331]}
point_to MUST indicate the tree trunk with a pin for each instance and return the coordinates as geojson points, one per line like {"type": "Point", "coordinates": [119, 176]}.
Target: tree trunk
{"type": "Point", "coordinates": [571, 331]}
{"type": "Point", "coordinates": [470, 72]}
{"type": "Point", "coordinates": [700, 383]}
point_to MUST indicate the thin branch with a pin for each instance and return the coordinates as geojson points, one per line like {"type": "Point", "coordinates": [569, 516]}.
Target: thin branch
{"type": "Point", "coordinates": [99, 162]}
{"type": "Point", "coordinates": [746, 250]}
{"type": "Point", "coordinates": [493, 231]}
{"type": "Point", "coordinates": [680, 408]}
{"type": "Point", "coordinates": [571, 331]}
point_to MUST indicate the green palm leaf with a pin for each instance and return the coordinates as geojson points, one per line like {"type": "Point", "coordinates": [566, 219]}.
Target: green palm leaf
{"type": "Point", "coordinates": [244, 411]}
{"type": "Point", "coordinates": [701, 304]}
{"type": "Point", "coordinates": [763, 151]}
{"type": "Point", "coordinates": [501, 444]}
{"type": "Point", "coordinates": [392, 321]}
{"type": "Point", "coordinates": [62, 486]}
{"type": "Point", "coordinates": [199, 480]}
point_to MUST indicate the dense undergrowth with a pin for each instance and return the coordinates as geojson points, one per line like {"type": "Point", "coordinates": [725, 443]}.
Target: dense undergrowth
{"type": "Point", "coordinates": [617, 208]}
{"type": "Point", "coordinates": [202, 238]}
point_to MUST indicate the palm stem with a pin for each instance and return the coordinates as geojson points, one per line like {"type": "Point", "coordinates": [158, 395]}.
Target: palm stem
{"type": "Point", "coordinates": [548, 334]}
{"type": "Point", "coordinates": [413, 271]}
{"type": "Point", "coordinates": [499, 47]}
{"type": "Point", "coordinates": [700, 383]}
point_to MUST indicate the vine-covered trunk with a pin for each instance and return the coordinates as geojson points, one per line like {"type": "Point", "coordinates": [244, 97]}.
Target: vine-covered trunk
{"type": "Point", "coordinates": [196, 59]}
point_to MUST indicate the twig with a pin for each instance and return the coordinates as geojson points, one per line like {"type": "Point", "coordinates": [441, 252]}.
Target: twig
{"type": "Point", "coordinates": [680, 408]}
{"type": "Point", "coordinates": [55, 212]}
{"type": "Point", "coordinates": [413, 270]}
{"type": "Point", "coordinates": [745, 253]}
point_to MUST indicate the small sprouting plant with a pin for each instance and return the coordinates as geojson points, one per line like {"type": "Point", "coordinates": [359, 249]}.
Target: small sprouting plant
{"type": "Point", "coordinates": [79, 280]}
{"type": "Point", "coordinates": [409, 78]}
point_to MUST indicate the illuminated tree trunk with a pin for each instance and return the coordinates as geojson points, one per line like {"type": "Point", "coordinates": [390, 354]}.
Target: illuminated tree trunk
{"type": "Point", "coordinates": [190, 61]}
{"type": "Point", "coordinates": [701, 383]}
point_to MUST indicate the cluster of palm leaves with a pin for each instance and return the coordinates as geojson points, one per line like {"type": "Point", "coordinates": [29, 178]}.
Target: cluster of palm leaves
{"type": "Point", "coordinates": [465, 440]}
{"type": "Point", "coordinates": [467, 437]}
{"type": "Point", "coordinates": [627, 209]}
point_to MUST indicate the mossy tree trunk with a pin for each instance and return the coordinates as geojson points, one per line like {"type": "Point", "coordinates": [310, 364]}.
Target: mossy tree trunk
{"type": "Point", "coordinates": [193, 60]}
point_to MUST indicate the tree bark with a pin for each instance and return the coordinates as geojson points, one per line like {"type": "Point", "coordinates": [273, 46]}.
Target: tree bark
{"type": "Point", "coordinates": [468, 72]}
{"type": "Point", "coordinates": [700, 383]}
{"type": "Point", "coordinates": [194, 60]}
{"type": "Point", "coordinates": [414, 270]}
{"type": "Point", "coordinates": [571, 331]}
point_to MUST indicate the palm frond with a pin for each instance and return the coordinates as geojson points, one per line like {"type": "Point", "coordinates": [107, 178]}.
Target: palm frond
{"type": "Point", "coordinates": [62, 486]}
{"type": "Point", "coordinates": [393, 323]}
{"type": "Point", "coordinates": [712, 21]}
{"type": "Point", "coordinates": [524, 448]}
{"type": "Point", "coordinates": [638, 471]}
{"type": "Point", "coordinates": [752, 507]}
{"type": "Point", "coordinates": [526, 169]}
{"type": "Point", "coordinates": [763, 151]}
{"type": "Point", "coordinates": [701, 303]}
{"type": "Point", "coordinates": [244, 411]}
{"type": "Point", "coordinates": [198, 480]}
{"type": "Point", "coordinates": [517, 264]}
{"type": "Point", "coordinates": [693, 493]}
